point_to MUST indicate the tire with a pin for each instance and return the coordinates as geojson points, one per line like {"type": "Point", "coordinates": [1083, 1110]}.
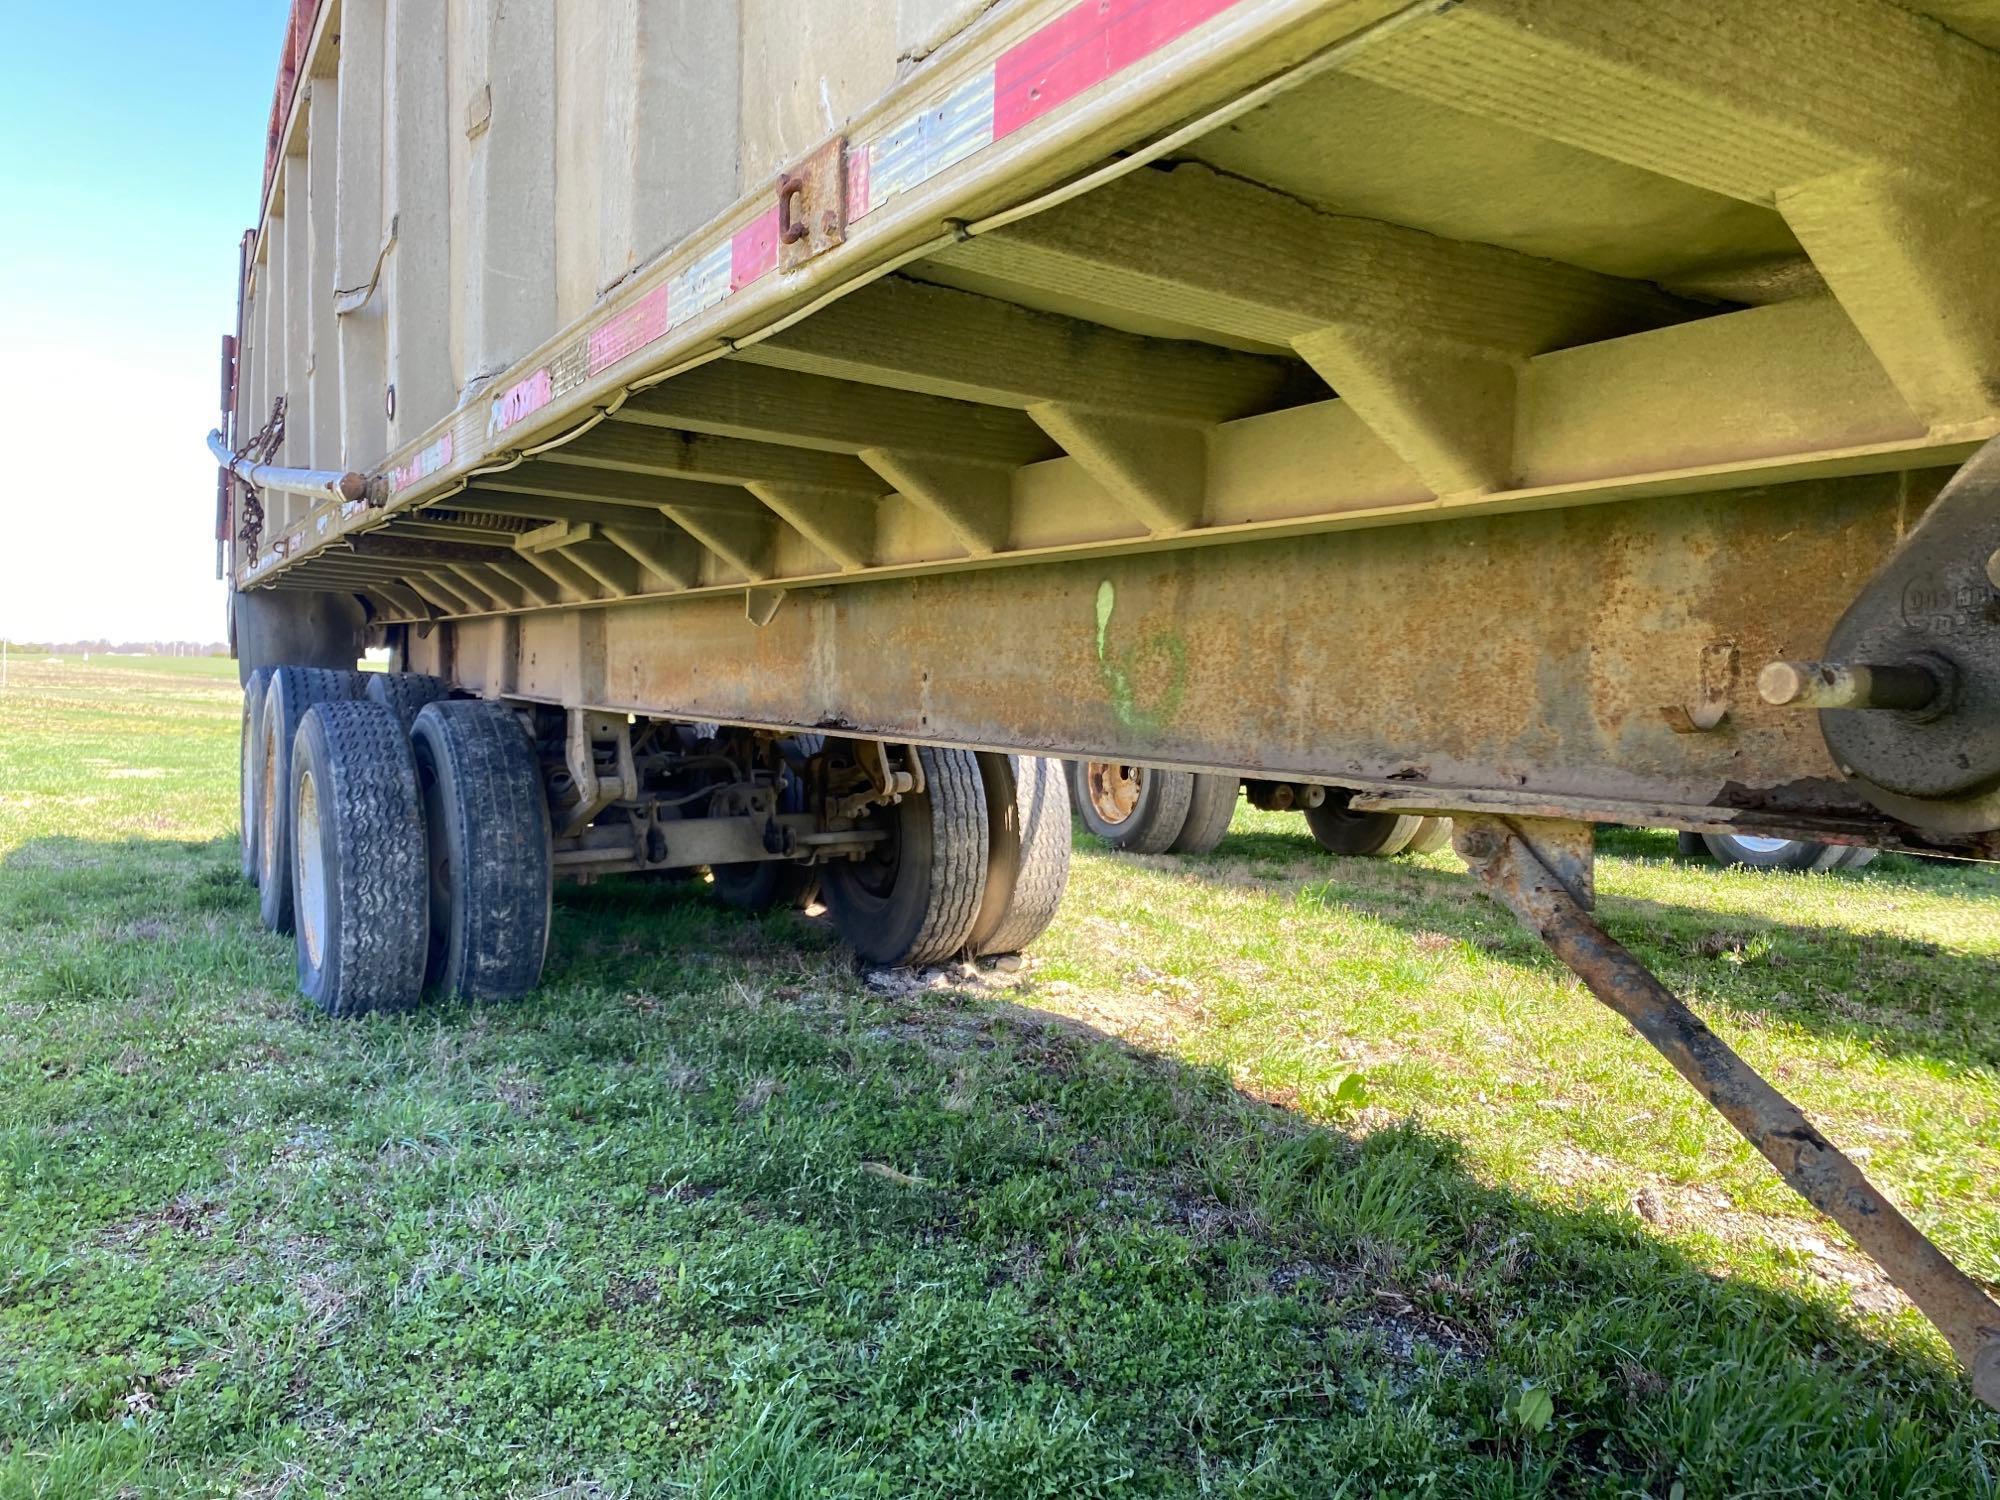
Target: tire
{"type": "Point", "coordinates": [250, 784]}
{"type": "Point", "coordinates": [761, 885]}
{"type": "Point", "coordinates": [1134, 808]}
{"type": "Point", "coordinates": [1341, 830]}
{"type": "Point", "coordinates": [1753, 851]}
{"type": "Point", "coordinates": [1855, 857]}
{"type": "Point", "coordinates": [491, 860]}
{"type": "Point", "coordinates": [1027, 858]}
{"type": "Point", "coordinates": [1690, 845]}
{"type": "Point", "coordinates": [359, 891]}
{"type": "Point", "coordinates": [288, 694]}
{"type": "Point", "coordinates": [405, 693]}
{"type": "Point", "coordinates": [1211, 806]}
{"type": "Point", "coordinates": [1432, 835]}
{"type": "Point", "coordinates": [914, 898]}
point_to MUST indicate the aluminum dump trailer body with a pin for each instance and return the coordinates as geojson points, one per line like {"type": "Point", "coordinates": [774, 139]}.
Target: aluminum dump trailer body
{"type": "Point", "coordinates": [1535, 411]}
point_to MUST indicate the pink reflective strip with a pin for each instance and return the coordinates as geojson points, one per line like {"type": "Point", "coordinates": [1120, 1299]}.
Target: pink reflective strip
{"type": "Point", "coordinates": [521, 401]}
{"type": "Point", "coordinates": [857, 182]}
{"type": "Point", "coordinates": [754, 250]}
{"type": "Point", "coordinates": [631, 330]}
{"type": "Point", "coordinates": [1084, 46]}
{"type": "Point", "coordinates": [437, 456]}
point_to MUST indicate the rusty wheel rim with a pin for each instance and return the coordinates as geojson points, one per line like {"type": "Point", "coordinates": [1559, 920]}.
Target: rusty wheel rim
{"type": "Point", "coordinates": [1113, 789]}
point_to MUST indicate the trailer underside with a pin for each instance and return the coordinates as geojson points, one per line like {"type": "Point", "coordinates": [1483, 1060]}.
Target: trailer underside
{"type": "Point", "coordinates": [1266, 434]}
{"type": "Point", "coordinates": [1457, 403]}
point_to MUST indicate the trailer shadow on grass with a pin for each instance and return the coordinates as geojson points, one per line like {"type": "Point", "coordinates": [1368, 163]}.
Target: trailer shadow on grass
{"type": "Point", "coordinates": [710, 1211]}
{"type": "Point", "coordinates": [1893, 994]}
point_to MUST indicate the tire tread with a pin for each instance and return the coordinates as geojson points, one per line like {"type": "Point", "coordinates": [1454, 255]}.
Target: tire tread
{"type": "Point", "coordinates": [289, 694]}
{"type": "Point", "coordinates": [958, 854]}
{"type": "Point", "coordinates": [406, 694]}
{"type": "Point", "coordinates": [1211, 808]}
{"type": "Point", "coordinates": [504, 864]}
{"type": "Point", "coordinates": [378, 898]}
{"type": "Point", "coordinates": [1028, 851]}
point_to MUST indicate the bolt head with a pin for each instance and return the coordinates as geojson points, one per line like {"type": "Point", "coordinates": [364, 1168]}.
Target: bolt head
{"type": "Point", "coordinates": [1781, 683]}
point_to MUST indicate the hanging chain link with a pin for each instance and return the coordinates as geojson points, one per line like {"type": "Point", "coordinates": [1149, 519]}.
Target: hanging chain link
{"type": "Point", "coordinates": [262, 447]}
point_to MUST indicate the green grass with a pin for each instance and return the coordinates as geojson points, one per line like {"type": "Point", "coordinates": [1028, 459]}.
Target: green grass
{"type": "Point", "coordinates": [1268, 1176]}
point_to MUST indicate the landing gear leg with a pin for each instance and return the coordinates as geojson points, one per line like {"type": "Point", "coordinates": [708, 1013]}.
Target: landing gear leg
{"type": "Point", "coordinates": [1539, 869]}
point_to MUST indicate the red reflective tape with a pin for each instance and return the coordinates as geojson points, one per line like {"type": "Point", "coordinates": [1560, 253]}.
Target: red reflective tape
{"type": "Point", "coordinates": [633, 329]}
{"type": "Point", "coordinates": [858, 164]}
{"type": "Point", "coordinates": [521, 401]}
{"type": "Point", "coordinates": [753, 250]}
{"type": "Point", "coordinates": [1083, 46]}
{"type": "Point", "coordinates": [426, 463]}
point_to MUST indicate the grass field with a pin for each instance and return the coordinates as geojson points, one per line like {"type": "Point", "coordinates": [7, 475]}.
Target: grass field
{"type": "Point", "coordinates": [1266, 1176]}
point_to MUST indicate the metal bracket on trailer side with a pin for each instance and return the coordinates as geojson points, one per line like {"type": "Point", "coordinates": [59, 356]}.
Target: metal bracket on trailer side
{"type": "Point", "coordinates": [886, 783]}
{"type": "Point", "coordinates": [594, 792]}
{"type": "Point", "coordinates": [1531, 866]}
{"type": "Point", "coordinates": [812, 205]}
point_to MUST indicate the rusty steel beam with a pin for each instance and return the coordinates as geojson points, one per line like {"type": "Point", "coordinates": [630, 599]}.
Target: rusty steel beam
{"type": "Point", "coordinates": [1550, 656]}
{"type": "Point", "coordinates": [1502, 857]}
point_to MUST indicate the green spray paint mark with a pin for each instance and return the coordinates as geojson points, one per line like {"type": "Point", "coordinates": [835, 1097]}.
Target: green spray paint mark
{"type": "Point", "coordinates": [1121, 671]}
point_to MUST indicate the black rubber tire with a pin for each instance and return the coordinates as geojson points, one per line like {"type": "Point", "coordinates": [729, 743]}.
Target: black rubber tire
{"type": "Point", "coordinates": [1027, 851]}
{"type": "Point", "coordinates": [491, 874]}
{"type": "Point", "coordinates": [359, 824]}
{"type": "Point", "coordinates": [1855, 857]}
{"type": "Point", "coordinates": [1797, 854]}
{"type": "Point", "coordinates": [1159, 808]}
{"type": "Point", "coordinates": [1338, 829]}
{"type": "Point", "coordinates": [765, 885]}
{"type": "Point", "coordinates": [405, 693]}
{"type": "Point", "coordinates": [250, 784]}
{"type": "Point", "coordinates": [288, 695]}
{"type": "Point", "coordinates": [1211, 806]}
{"type": "Point", "coordinates": [1432, 834]}
{"type": "Point", "coordinates": [914, 900]}
{"type": "Point", "coordinates": [1690, 845]}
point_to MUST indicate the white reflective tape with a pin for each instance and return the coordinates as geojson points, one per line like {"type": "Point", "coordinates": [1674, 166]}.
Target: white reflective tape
{"type": "Point", "coordinates": [940, 135]}
{"type": "Point", "coordinates": [702, 285]}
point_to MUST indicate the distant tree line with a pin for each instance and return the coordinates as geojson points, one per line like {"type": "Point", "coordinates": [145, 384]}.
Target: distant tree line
{"type": "Point", "coordinates": [119, 648]}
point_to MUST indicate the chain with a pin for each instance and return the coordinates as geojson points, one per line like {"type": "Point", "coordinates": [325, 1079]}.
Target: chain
{"type": "Point", "coordinates": [260, 449]}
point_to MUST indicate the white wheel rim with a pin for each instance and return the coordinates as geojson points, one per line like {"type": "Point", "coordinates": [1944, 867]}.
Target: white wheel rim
{"type": "Point", "coordinates": [274, 802]}
{"type": "Point", "coordinates": [249, 780]}
{"type": "Point", "coordinates": [311, 862]}
{"type": "Point", "coordinates": [1760, 844]}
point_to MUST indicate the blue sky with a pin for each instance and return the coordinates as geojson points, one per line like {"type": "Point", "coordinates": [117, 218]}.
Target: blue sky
{"type": "Point", "coordinates": [131, 154]}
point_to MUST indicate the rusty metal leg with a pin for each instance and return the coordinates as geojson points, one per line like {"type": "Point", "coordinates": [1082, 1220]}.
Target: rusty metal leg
{"type": "Point", "coordinates": [1508, 856]}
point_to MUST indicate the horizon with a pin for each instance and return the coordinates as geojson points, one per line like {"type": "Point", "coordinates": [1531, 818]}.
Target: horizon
{"type": "Point", "coordinates": [131, 159]}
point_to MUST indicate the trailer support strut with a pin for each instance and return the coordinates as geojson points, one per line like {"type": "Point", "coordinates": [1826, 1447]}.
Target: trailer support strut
{"type": "Point", "coordinates": [1529, 866]}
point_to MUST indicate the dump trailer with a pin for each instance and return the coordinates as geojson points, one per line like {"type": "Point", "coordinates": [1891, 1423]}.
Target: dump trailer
{"type": "Point", "coordinates": [771, 437]}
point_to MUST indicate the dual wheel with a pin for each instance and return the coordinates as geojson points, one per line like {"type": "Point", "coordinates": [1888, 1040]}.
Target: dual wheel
{"type": "Point", "coordinates": [1757, 852]}
{"type": "Point", "coordinates": [976, 863]}
{"type": "Point", "coordinates": [1341, 829]}
{"type": "Point", "coordinates": [403, 838]}
{"type": "Point", "coordinates": [1147, 811]}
